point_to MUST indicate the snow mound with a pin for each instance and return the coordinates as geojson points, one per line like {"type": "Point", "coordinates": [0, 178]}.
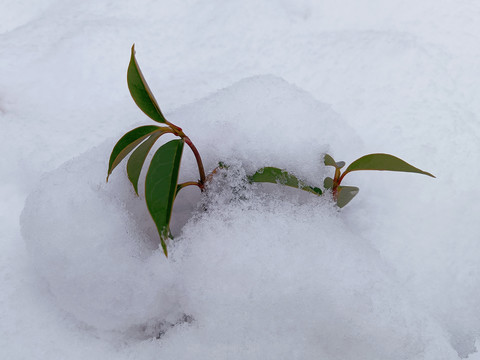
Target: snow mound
{"type": "Point", "coordinates": [95, 244]}
{"type": "Point", "coordinates": [86, 240]}
{"type": "Point", "coordinates": [282, 278]}
{"type": "Point", "coordinates": [264, 120]}
{"type": "Point", "coordinates": [261, 272]}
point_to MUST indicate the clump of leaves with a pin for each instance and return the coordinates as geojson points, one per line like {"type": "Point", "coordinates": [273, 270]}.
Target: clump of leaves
{"type": "Point", "coordinates": [161, 181]}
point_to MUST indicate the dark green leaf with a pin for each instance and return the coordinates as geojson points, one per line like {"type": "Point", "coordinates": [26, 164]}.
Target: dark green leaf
{"type": "Point", "coordinates": [278, 176]}
{"type": "Point", "coordinates": [328, 183]}
{"type": "Point", "coordinates": [345, 194]}
{"type": "Point", "coordinates": [383, 162]}
{"type": "Point", "coordinates": [137, 159]}
{"type": "Point", "coordinates": [313, 189]}
{"type": "Point", "coordinates": [141, 93]}
{"type": "Point", "coordinates": [127, 143]}
{"type": "Point", "coordinates": [161, 186]}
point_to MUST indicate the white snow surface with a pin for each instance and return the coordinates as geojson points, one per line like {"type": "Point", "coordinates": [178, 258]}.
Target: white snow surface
{"type": "Point", "coordinates": [254, 272]}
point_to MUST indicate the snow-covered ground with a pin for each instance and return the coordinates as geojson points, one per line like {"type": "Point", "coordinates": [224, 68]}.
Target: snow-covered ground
{"type": "Point", "coordinates": [265, 272]}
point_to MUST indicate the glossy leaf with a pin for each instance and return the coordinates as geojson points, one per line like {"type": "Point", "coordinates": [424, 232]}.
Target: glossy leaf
{"type": "Point", "coordinates": [141, 93]}
{"type": "Point", "coordinates": [127, 143]}
{"type": "Point", "coordinates": [345, 194]}
{"type": "Point", "coordinates": [278, 176]}
{"type": "Point", "coordinates": [161, 186]}
{"type": "Point", "coordinates": [137, 159]}
{"type": "Point", "coordinates": [383, 162]}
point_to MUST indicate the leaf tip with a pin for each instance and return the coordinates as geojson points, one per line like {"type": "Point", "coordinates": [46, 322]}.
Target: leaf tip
{"type": "Point", "coordinates": [164, 246]}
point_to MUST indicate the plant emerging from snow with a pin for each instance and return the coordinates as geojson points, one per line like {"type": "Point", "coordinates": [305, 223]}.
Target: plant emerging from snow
{"type": "Point", "coordinates": [161, 182]}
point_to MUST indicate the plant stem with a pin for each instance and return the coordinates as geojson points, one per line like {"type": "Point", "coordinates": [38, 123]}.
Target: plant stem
{"type": "Point", "coordinates": [176, 129]}
{"type": "Point", "coordinates": [190, 183]}
{"type": "Point", "coordinates": [336, 182]}
{"type": "Point", "coordinates": [179, 132]}
{"type": "Point", "coordinates": [210, 176]}
{"type": "Point", "coordinates": [199, 162]}
{"type": "Point", "coordinates": [341, 177]}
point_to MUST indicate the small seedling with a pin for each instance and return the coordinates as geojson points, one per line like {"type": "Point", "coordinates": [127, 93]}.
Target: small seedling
{"type": "Point", "coordinates": [161, 181]}
{"type": "Point", "coordinates": [381, 162]}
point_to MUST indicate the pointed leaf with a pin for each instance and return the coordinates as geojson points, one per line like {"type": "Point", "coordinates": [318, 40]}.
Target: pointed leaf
{"type": "Point", "coordinates": [127, 143]}
{"type": "Point", "coordinates": [161, 186]}
{"type": "Point", "coordinates": [383, 162]}
{"type": "Point", "coordinates": [137, 159]}
{"type": "Point", "coordinates": [278, 176]}
{"type": "Point", "coordinates": [140, 91]}
{"type": "Point", "coordinates": [345, 194]}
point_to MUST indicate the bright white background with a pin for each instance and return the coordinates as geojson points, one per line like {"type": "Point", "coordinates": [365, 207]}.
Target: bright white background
{"type": "Point", "coordinates": [268, 273]}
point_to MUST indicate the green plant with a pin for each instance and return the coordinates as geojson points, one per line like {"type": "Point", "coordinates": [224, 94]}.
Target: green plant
{"type": "Point", "coordinates": [161, 181]}
{"type": "Point", "coordinates": [380, 162]}
{"type": "Point", "coordinates": [341, 194]}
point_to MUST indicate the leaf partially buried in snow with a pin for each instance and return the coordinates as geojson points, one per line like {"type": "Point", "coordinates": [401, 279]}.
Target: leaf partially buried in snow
{"type": "Point", "coordinates": [161, 186]}
{"type": "Point", "coordinates": [384, 162]}
{"type": "Point", "coordinates": [127, 143]}
{"type": "Point", "coordinates": [345, 194]}
{"type": "Point", "coordinates": [278, 176]}
{"type": "Point", "coordinates": [140, 91]}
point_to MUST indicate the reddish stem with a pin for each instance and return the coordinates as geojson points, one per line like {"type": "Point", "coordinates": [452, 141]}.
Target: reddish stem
{"type": "Point", "coordinates": [190, 183]}
{"type": "Point", "coordinates": [336, 182]}
{"type": "Point", "coordinates": [179, 132]}
{"type": "Point", "coordinates": [341, 177]}
{"type": "Point", "coordinates": [201, 170]}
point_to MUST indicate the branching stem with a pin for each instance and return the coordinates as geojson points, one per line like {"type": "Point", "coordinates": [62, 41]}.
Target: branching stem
{"type": "Point", "coordinates": [336, 182]}
{"type": "Point", "coordinates": [179, 132]}
{"type": "Point", "coordinates": [341, 177]}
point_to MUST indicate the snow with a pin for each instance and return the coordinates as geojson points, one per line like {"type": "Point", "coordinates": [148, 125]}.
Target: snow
{"type": "Point", "coordinates": [75, 215]}
{"type": "Point", "coordinates": [265, 272]}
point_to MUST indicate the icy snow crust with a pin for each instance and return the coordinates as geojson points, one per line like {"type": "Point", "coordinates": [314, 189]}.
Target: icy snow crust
{"type": "Point", "coordinates": [265, 272]}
